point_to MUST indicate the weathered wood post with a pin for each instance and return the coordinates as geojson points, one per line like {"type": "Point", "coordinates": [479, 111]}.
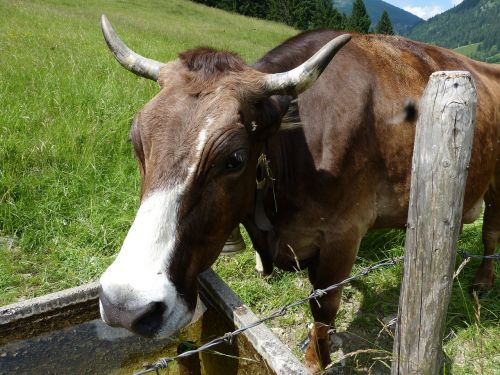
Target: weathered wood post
{"type": "Point", "coordinates": [441, 155]}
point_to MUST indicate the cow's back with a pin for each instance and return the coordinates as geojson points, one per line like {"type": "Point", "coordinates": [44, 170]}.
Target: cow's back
{"type": "Point", "coordinates": [402, 68]}
{"type": "Point", "coordinates": [350, 116]}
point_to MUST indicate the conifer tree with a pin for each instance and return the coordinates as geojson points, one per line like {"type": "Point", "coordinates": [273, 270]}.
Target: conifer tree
{"type": "Point", "coordinates": [289, 12]}
{"type": "Point", "coordinates": [303, 11]}
{"type": "Point", "coordinates": [254, 8]}
{"type": "Point", "coordinates": [325, 16]}
{"type": "Point", "coordinates": [359, 20]}
{"type": "Point", "coordinates": [229, 5]}
{"type": "Point", "coordinates": [384, 26]}
{"type": "Point", "coordinates": [275, 12]}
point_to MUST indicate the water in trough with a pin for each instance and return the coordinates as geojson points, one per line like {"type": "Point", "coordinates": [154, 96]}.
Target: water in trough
{"type": "Point", "coordinates": [77, 342]}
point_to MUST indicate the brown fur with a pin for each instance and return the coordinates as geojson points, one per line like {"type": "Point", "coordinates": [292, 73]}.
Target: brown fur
{"type": "Point", "coordinates": [209, 62]}
{"type": "Point", "coordinates": [345, 170]}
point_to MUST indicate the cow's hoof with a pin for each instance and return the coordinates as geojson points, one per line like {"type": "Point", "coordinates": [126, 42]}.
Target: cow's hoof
{"type": "Point", "coordinates": [312, 357]}
{"type": "Point", "coordinates": [262, 269]}
{"type": "Point", "coordinates": [262, 273]}
{"type": "Point", "coordinates": [259, 272]}
{"type": "Point", "coordinates": [313, 367]}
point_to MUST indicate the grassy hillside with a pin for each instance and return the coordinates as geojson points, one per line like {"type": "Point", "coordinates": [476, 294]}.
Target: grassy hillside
{"type": "Point", "coordinates": [402, 20]}
{"type": "Point", "coordinates": [475, 51]}
{"type": "Point", "coordinates": [470, 22]}
{"type": "Point", "coordinates": [468, 50]}
{"type": "Point", "coordinates": [68, 179]}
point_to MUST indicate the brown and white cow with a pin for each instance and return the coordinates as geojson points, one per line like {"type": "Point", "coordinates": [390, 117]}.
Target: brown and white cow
{"type": "Point", "coordinates": [344, 171]}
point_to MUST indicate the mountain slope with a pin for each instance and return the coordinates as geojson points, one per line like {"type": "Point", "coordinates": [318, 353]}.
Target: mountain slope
{"type": "Point", "coordinates": [402, 20]}
{"type": "Point", "coordinates": [472, 21]}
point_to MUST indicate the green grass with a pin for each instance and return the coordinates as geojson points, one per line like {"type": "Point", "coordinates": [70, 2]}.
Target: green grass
{"type": "Point", "coordinates": [472, 51]}
{"type": "Point", "coordinates": [468, 49]}
{"type": "Point", "coordinates": [471, 342]}
{"type": "Point", "coordinates": [69, 184]}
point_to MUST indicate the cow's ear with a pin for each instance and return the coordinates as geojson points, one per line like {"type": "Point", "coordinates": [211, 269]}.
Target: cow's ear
{"type": "Point", "coordinates": [268, 116]}
{"type": "Point", "coordinates": [291, 117]}
{"type": "Point", "coordinates": [288, 107]}
{"type": "Point", "coordinates": [281, 103]}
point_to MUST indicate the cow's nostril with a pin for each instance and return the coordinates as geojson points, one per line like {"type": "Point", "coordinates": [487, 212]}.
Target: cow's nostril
{"type": "Point", "coordinates": [150, 320]}
{"type": "Point", "coordinates": [146, 320]}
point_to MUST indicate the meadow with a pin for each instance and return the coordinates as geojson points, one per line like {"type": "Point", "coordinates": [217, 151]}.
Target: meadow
{"type": "Point", "coordinates": [69, 184]}
{"type": "Point", "coordinates": [68, 179]}
{"type": "Point", "coordinates": [472, 51]}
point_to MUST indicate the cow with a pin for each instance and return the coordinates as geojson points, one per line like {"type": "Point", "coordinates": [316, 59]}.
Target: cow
{"type": "Point", "coordinates": [325, 142]}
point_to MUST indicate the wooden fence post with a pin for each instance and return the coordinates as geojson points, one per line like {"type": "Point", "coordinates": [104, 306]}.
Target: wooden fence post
{"type": "Point", "coordinates": [441, 155]}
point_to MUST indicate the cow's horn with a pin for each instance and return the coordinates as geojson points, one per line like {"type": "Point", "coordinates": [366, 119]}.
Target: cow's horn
{"type": "Point", "coordinates": [302, 77]}
{"type": "Point", "coordinates": [137, 64]}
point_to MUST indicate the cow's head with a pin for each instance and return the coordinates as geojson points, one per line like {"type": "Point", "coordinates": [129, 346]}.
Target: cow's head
{"type": "Point", "coordinates": [197, 143]}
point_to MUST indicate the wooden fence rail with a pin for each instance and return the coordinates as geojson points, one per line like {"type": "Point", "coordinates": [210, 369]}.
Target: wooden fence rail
{"type": "Point", "coordinates": [441, 156]}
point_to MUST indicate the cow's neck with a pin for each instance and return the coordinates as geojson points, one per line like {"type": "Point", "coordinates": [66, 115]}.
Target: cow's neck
{"type": "Point", "coordinates": [293, 173]}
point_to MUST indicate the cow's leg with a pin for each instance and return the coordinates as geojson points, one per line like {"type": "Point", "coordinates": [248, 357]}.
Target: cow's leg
{"type": "Point", "coordinates": [317, 355]}
{"type": "Point", "coordinates": [327, 270]}
{"type": "Point", "coordinates": [259, 267]}
{"type": "Point", "coordinates": [263, 256]}
{"type": "Point", "coordinates": [491, 237]}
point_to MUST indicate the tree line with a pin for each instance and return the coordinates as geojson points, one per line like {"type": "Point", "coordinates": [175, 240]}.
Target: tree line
{"type": "Point", "coordinates": [306, 14]}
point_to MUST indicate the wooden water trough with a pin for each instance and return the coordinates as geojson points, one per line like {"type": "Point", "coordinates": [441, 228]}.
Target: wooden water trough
{"type": "Point", "coordinates": [61, 333]}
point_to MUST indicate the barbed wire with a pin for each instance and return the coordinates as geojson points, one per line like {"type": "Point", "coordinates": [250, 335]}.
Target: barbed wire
{"type": "Point", "coordinates": [163, 363]}
{"type": "Point", "coordinates": [228, 337]}
{"type": "Point", "coordinates": [466, 255]}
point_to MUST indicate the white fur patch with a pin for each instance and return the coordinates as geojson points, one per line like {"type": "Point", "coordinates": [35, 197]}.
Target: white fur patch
{"type": "Point", "coordinates": [200, 145]}
{"type": "Point", "coordinates": [259, 267]}
{"type": "Point", "coordinates": [137, 276]}
{"type": "Point", "coordinates": [202, 140]}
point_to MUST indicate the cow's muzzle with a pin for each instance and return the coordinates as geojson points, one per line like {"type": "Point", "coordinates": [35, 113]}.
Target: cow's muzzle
{"type": "Point", "coordinates": [146, 320]}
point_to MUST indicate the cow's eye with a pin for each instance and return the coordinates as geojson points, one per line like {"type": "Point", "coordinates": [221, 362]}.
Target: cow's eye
{"type": "Point", "coordinates": [236, 161]}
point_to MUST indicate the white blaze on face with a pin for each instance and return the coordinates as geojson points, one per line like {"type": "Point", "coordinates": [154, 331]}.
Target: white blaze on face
{"type": "Point", "coordinates": [139, 275]}
{"type": "Point", "coordinates": [200, 145]}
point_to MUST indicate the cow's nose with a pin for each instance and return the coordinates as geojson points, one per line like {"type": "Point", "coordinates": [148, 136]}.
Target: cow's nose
{"type": "Point", "coordinates": [145, 320]}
